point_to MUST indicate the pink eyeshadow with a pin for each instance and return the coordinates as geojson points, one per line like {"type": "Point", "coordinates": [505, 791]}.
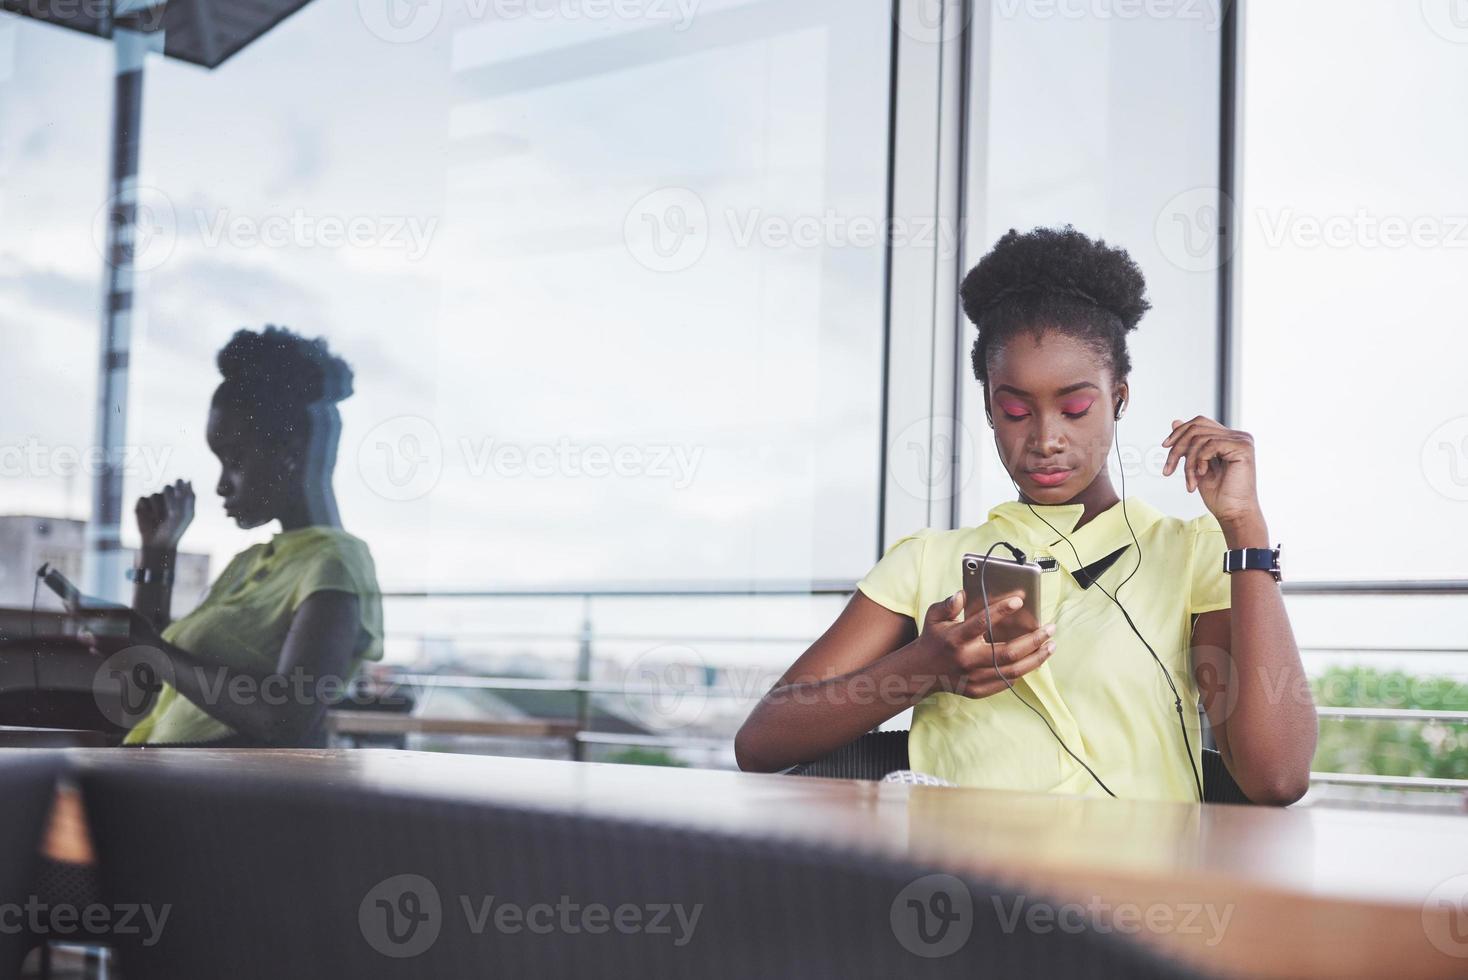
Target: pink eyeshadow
{"type": "Point", "coordinates": [1078, 405]}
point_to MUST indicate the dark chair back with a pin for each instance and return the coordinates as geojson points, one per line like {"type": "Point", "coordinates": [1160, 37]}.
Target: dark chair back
{"type": "Point", "coordinates": [877, 753]}
{"type": "Point", "coordinates": [287, 879]}
{"type": "Point", "coordinates": [27, 788]}
{"type": "Point", "coordinates": [872, 756]}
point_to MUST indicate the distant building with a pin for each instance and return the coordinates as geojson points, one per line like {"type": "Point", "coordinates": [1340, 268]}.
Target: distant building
{"type": "Point", "coordinates": [26, 543]}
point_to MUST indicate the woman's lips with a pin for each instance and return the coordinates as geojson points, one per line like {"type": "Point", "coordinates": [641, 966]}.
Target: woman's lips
{"type": "Point", "coordinates": [1051, 479]}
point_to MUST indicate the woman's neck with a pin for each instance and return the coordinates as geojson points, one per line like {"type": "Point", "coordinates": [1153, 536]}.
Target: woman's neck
{"type": "Point", "coordinates": [316, 509]}
{"type": "Point", "coordinates": [1096, 499]}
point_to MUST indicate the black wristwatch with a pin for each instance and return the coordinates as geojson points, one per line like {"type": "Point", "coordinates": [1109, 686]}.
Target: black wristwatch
{"type": "Point", "coordinates": [1265, 559]}
{"type": "Point", "coordinates": [147, 576]}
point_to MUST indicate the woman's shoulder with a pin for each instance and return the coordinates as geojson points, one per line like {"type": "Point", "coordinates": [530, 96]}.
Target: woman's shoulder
{"type": "Point", "coordinates": [1187, 528]}
{"type": "Point", "coordinates": [321, 545]}
{"type": "Point", "coordinates": [322, 538]}
{"type": "Point", "coordinates": [930, 545]}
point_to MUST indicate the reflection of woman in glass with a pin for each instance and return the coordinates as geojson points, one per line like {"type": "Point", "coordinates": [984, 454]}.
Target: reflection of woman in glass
{"type": "Point", "coordinates": [1081, 700]}
{"type": "Point", "coordinates": [288, 621]}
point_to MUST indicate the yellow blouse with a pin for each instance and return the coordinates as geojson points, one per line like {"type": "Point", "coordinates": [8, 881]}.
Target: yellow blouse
{"type": "Point", "coordinates": [1100, 689]}
{"type": "Point", "coordinates": [243, 621]}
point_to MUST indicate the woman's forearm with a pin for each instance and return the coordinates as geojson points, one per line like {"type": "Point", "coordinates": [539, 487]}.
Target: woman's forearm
{"type": "Point", "coordinates": [267, 706]}
{"type": "Point", "coordinates": [803, 721]}
{"type": "Point", "coordinates": [1272, 725]}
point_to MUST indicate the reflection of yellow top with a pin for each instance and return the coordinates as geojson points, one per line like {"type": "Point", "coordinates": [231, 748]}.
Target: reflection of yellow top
{"type": "Point", "coordinates": [243, 621]}
{"type": "Point", "coordinates": [1100, 690]}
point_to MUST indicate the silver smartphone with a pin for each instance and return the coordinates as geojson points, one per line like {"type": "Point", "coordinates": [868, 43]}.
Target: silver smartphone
{"type": "Point", "coordinates": [1002, 577]}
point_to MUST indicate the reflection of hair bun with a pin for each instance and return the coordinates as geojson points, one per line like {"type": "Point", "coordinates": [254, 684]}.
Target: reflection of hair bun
{"type": "Point", "coordinates": [1055, 277]}
{"type": "Point", "coordinates": [277, 365]}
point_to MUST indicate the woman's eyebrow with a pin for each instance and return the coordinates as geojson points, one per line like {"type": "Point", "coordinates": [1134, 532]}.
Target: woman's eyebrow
{"type": "Point", "coordinates": [1062, 391]}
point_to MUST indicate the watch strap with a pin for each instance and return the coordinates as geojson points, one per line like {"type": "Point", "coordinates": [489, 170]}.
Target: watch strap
{"type": "Point", "coordinates": [149, 576]}
{"type": "Point", "coordinates": [1263, 559]}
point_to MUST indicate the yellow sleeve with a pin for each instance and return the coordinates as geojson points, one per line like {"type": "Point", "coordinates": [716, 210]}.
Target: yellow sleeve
{"type": "Point", "coordinates": [349, 570]}
{"type": "Point", "coordinates": [1209, 583]}
{"type": "Point", "coordinates": [893, 581]}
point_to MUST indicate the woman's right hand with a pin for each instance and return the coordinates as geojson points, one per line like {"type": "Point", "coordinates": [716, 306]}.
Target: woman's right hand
{"type": "Point", "coordinates": [963, 647]}
{"type": "Point", "coordinates": [163, 517]}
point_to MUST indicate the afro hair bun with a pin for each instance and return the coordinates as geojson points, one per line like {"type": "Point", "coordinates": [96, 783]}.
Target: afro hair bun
{"type": "Point", "coordinates": [1061, 263]}
{"type": "Point", "coordinates": [277, 364]}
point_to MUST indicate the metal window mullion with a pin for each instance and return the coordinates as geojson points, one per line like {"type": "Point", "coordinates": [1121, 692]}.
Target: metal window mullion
{"type": "Point", "coordinates": [927, 181]}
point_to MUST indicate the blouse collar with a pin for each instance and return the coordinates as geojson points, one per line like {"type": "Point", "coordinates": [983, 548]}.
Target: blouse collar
{"type": "Point", "coordinates": [1021, 525]}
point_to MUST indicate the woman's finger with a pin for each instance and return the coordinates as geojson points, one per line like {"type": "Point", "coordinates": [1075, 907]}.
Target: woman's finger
{"type": "Point", "coordinates": [1018, 649]}
{"type": "Point", "coordinates": [1180, 451]}
{"type": "Point", "coordinates": [997, 611]}
{"type": "Point", "coordinates": [983, 684]}
{"type": "Point", "coordinates": [1181, 429]}
{"type": "Point", "coordinates": [979, 653]}
{"type": "Point", "coordinates": [1205, 450]}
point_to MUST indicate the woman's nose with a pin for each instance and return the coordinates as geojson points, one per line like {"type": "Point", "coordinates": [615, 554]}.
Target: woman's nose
{"type": "Point", "coordinates": [1049, 436]}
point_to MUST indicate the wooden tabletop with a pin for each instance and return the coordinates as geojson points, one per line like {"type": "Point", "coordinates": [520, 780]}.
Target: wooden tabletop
{"type": "Point", "coordinates": [1235, 890]}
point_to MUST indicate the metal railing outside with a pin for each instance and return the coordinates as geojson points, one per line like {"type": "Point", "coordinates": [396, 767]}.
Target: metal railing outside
{"type": "Point", "coordinates": [584, 687]}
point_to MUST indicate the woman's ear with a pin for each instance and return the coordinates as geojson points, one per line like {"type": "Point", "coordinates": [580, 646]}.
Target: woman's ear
{"type": "Point", "coordinates": [1119, 409]}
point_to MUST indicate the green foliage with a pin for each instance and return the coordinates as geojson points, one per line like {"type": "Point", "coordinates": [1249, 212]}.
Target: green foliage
{"type": "Point", "coordinates": [1391, 748]}
{"type": "Point", "coordinates": [645, 757]}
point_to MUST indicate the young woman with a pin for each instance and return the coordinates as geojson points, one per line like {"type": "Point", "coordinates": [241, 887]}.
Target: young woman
{"type": "Point", "coordinates": [287, 622]}
{"type": "Point", "coordinates": [1080, 705]}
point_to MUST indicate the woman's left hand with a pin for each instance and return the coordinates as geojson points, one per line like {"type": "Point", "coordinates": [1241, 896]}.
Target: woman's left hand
{"type": "Point", "coordinates": [1219, 464]}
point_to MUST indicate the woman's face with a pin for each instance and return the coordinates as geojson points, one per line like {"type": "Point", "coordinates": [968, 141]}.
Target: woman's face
{"type": "Point", "coordinates": [254, 479]}
{"type": "Point", "coordinates": [1053, 405]}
